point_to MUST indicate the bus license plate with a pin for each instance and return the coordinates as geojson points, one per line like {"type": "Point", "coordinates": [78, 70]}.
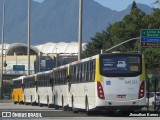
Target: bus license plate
{"type": "Point", "coordinates": [121, 96]}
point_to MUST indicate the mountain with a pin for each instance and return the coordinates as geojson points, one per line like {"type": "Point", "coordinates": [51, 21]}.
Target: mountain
{"type": "Point", "coordinates": [57, 20]}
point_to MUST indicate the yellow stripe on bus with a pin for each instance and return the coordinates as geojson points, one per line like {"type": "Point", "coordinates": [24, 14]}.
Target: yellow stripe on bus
{"type": "Point", "coordinates": [143, 75]}
{"type": "Point", "coordinates": [98, 77]}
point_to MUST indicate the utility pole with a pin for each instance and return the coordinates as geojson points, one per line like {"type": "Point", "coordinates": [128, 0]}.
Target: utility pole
{"type": "Point", "coordinates": [1, 79]}
{"type": "Point", "coordinates": [28, 37]}
{"type": "Point", "coordinates": [80, 29]}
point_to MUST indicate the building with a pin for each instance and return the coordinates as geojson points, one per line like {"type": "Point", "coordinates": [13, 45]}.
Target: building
{"type": "Point", "coordinates": [42, 57]}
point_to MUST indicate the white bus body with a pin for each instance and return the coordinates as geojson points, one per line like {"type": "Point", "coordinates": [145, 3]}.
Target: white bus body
{"type": "Point", "coordinates": [30, 89]}
{"type": "Point", "coordinates": [60, 87]}
{"type": "Point", "coordinates": [44, 89]}
{"type": "Point", "coordinates": [119, 83]}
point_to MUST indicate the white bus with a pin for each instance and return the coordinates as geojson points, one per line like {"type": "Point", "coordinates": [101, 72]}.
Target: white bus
{"type": "Point", "coordinates": [30, 87]}
{"type": "Point", "coordinates": [60, 87]}
{"type": "Point", "coordinates": [112, 81]}
{"type": "Point", "coordinates": [44, 88]}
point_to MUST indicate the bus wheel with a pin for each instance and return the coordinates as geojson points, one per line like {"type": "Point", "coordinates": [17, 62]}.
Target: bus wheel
{"type": "Point", "coordinates": [153, 105]}
{"type": "Point", "coordinates": [49, 105]}
{"type": "Point", "coordinates": [73, 109]}
{"type": "Point", "coordinates": [39, 104]}
{"type": "Point", "coordinates": [25, 101]}
{"type": "Point", "coordinates": [32, 103]}
{"type": "Point", "coordinates": [18, 100]}
{"type": "Point", "coordinates": [64, 108]}
{"type": "Point", "coordinates": [14, 100]}
{"type": "Point", "coordinates": [55, 106]}
{"type": "Point", "coordinates": [62, 103]}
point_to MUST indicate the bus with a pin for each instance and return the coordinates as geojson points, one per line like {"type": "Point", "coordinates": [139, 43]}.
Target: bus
{"type": "Point", "coordinates": [30, 87]}
{"type": "Point", "coordinates": [110, 82]}
{"type": "Point", "coordinates": [17, 90]}
{"type": "Point", "coordinates": [60, 87]}
{"type": "Point", "coordinates": [44, 88]}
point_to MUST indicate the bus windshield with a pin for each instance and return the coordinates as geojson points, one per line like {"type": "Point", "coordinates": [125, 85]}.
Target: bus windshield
{"type": "Point", "coordinates": [120, 65]}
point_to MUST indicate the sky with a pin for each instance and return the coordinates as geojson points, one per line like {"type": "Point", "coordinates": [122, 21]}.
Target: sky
{"type": "Point", "coordinates": [118, 5]}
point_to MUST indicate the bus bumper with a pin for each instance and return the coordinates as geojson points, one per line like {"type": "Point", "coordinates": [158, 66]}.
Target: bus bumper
{"type": "Point", "coordinates": [119, 108]}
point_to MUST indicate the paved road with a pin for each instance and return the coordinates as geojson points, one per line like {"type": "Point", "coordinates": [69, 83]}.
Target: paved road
{"type": "Point", "coordinates": [45, 113]}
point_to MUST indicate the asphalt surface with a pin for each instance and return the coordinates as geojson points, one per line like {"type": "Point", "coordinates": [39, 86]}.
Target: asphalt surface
{"type": "Point", "coordinates": [10, 111]}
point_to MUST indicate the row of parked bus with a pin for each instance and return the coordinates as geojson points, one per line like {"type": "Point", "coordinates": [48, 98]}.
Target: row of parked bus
{"type": "Point", "coordinates": [112, 81]}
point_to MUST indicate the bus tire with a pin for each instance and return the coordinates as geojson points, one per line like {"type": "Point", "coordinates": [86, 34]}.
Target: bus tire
{"type": "Point", "coordinates": [39, 104]}
{"type": "Point", "coordinates": [14, 100]}
{"type": "Point", "coordinates": [64, 108]}
{"type": "Point", "coordinates": [49, 105]}
{"type": "Point", "coordinates": [153, 105]}
{"type": "Point", "coordinates": [25, 100]}
{"type": "Point", "coordinates": [55, 106]}
{"type": "Point", "coordinates": [62, 103]}
{"type": "Point", "coordinates": [32, 103]}
{"type": "Point", "coordinates": [19, 102]}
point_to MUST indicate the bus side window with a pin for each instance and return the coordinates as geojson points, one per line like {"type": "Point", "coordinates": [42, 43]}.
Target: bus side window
{"type": "Point", "coordinates": [85, 69]}
{"type": "Point", "coordinates": [40, 80]}
{"type": "Point", "coordinates": [35, 83]}
{"type": "Point", "coordinates": [53, 78]}
{"type": "Point", "coordinates": [44, 80]}
{"type": "Point", "coordinates": [90, 71]}
{"type": "Point", "coordinates": [51, 81]}
{"type": "Point", "coordinates": [60, 77]}
{"type": "Point", "coordinates": [80, 73]}
{"type": "Point", "coordinates": [87, 72]}
{"type": "Point", "coordinates": [94, 67]}
{"type": "Point", "coordinates": [30, 81]}
{"type": "Point", "coordinates": [74, 74]}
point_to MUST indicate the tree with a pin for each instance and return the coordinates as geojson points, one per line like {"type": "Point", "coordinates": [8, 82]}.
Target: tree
{"type": "Point", "coordinates": [116, 33]}
{"type": "Point", "coordinates": [129, 27]}
{"type": "Point", "coordinates": [99, 42]}
{"type": "Point", "coordinates": [134, 5]}
{"type": "Point", "coordinates": [157, 2]}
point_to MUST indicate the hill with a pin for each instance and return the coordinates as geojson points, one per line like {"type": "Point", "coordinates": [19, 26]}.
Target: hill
{"type": "Point", "coordinates": [57, 20]}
